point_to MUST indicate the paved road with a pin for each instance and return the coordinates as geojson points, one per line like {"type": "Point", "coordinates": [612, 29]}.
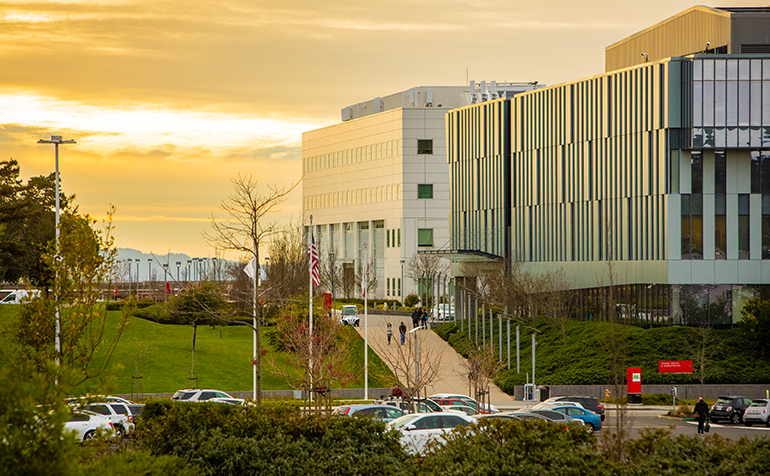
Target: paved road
{"type": "Point", "coordinates": [449, 379]}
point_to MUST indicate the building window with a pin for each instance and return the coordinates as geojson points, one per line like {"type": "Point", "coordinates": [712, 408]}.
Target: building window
{"type": "Point", "coordinates": [765, 227]}
{"type": "Point", "coordinates": [424, 146]}
{"type": "Point", "coordinates": [692, 226]}
{"type": "Point", "coordinates": [743, 226]}
{"type": "Point", "coordinates": [425, 190]}
{"type": "Point", "coordinates": [720, 172]}
{"type": "Point", "coordinates": [720, 226]}
{"type": "Point", "coordinates": [425, 237]}
{"type": "Point", "coordinates": [697, 172]}
{"type": "Point", "coordinates": [399, 287]}
{"type": "Point", "coordinates": [398, 242]}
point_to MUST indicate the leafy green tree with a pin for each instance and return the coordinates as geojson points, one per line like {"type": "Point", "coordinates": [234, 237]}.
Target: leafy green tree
{"type": "Point", "coordinates": [756, 322]}
{"type": "Point", "coordinates": [27, 224]}
{"type": "Point", "coordinates": [80, 266]}
{"type": "Point", "coordinates": [196, 306]}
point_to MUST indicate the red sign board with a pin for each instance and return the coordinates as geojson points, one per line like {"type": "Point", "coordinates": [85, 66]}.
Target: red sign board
{"type": "Point", "coordinates": [327, 301]}
{"type": "Point", "coordinates": [675, 366]}
{"type": "Point", "coordinates": [634, 380]}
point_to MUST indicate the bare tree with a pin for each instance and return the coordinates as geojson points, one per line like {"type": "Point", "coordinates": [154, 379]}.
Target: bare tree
{"type": "Point", "coordinates": [287, 276]}
{"type": "Point", "coordinates": [371, 281]}
{"type": "Point", "coordinates": [325, 367]}
{"type": "Point", "coordinates": [561, 300]}
{"type": "Point", "coordinates": [479, 370]}
{"type": "Point", "coordinates": [402, 362]}
{"type": "Point", "coordinates": [245, 229]}
{"type": "Point", "coordinates": [703, 346]}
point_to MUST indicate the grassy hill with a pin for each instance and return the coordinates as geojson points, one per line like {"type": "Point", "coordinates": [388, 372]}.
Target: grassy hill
{"type": "Point", "coordinates": [584, 359]}
{"type": "Point", "coordinates": [222, 356]}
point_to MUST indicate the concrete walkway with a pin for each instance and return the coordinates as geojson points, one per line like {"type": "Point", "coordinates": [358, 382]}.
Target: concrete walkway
{"type": "Point", "coordinates": [450, 379]}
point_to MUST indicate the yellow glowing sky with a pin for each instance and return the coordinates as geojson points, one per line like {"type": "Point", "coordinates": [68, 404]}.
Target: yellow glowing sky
{"type": "Point", "coordinates": [169, 100]}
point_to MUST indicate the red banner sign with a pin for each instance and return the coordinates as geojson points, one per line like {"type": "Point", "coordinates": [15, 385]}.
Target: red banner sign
{"type": "Point", "coordinates": [675, 366]}
{"type": "Point", "coordinates": [634, 380]}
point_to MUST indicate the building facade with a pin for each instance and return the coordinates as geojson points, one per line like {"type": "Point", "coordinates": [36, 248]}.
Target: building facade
{"type": "Point", "coordinates": [661, 169]}
{"type": "Point", "coordinates": [377, 184]}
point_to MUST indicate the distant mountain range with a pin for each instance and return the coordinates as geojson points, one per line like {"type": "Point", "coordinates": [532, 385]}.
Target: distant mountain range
{"type": "Point", "coordinates": [151, 265]}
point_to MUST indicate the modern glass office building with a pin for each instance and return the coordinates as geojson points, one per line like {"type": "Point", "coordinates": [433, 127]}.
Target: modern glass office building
{"type": "Point", "coordinates": [661, 168]}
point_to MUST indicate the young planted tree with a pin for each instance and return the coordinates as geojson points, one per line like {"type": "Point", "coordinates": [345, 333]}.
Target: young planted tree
{"type": "Point", "coordinates": [245, 229]}
{"type": "Point", "coordinates": [415, 365]}
{"type": "Point", "coordinates": [425, 267]}
{"type": "Point", "coordinates": [198, 305]}
{"type": "Point", "coordinates": [479, 370]}
{"type": "Point", "coordinates": [312, 366]}
{"type": "Point", "coordinates": [81, 264]}
{"type": "Point", "coordinates": [287, 276]}
{"type": "Point", "coordinates": [703, 345]}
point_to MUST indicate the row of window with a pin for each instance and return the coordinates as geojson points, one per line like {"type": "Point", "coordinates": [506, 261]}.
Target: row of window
{"type": "Point", "coordinates": [361, 196]}
{"type": "Point", "coordinates": [382, 150]}
{"type": "Point", "coordinates": [394, 238]}
{"type": "Point", "coordinates": [730, 137]}
{"type": "Point", "coordinates": [394, 286]}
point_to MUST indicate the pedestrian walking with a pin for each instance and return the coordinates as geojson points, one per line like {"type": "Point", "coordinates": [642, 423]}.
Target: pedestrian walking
{"type": "Point", "coordinates": [389, 332]}
{"type": "Point", "coordinates": [424, 319]}
{"type": "Point", "coordinates": [402, 331]}
{"type": "Point", "coordinates": [416, 316]}
{"type": "Point", "coordinates": [702, 414]}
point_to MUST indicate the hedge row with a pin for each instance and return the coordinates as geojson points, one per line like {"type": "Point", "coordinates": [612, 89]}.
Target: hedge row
{"type": "Point", "coordinates": [226, 440]}
{"type": "Point", "coordinates": [584, 357]}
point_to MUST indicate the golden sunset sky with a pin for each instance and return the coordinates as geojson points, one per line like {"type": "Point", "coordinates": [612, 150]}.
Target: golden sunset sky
{"type": "Point", "coordinates": [169, 100]}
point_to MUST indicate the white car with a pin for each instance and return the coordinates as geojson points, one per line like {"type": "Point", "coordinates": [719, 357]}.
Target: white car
{"type": "Point", "coordinates": [15, 297]}
{"type": "Point", "coordinates": [443, 312]}
{"type": "Point", "coordinates": [471, 401]}
{"type": "Point", "coordinates": [350, 315]}
{"type": "Point", "coordinates": [231, 401]}
{"type": "Point", "coordinates": [420, 429]}
{"type": "Point", "coordinates": [199, 395]}
{"type": "Point", "coordinates": [548, 404]}
{"type": "Point", "coordinates": [117, 413]}
{"type": "Point", "coordinates": [85, 424]}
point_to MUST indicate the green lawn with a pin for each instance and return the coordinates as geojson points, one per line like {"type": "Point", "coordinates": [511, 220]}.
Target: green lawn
{"type": "Point", "coordinates": [222, 357]}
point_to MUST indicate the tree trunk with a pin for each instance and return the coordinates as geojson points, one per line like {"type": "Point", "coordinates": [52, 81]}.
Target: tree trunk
{"type": "Point", "coordinates": [192, 361]}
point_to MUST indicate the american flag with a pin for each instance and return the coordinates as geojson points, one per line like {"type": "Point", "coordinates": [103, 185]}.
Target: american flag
{"type": "Point", "coordinates": [313, 253]}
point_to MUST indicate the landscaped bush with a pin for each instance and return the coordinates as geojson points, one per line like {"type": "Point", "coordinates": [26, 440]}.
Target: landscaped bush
{"type": "Point", "coordinates": [274, 439]}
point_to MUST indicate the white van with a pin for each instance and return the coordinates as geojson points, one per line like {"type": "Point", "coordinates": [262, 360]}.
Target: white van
{"type": "Point", "coordinates": [15, 297]}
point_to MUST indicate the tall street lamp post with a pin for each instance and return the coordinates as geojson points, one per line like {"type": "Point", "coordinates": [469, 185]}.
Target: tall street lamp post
{"type": "Point", "coordinates": [56, 140]}
{"type": "Point", "coordinates": [129, 276]}
{"type": "Point", "coordinates": [149, 276]}
{"type": "Point", "coordinates": [137, 278]}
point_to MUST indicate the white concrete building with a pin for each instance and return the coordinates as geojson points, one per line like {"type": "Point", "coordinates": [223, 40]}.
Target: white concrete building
{"type": "Point", "coordinates": [379, 180]}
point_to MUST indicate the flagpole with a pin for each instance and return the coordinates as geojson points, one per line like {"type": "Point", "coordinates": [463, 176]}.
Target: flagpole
{"type": "Point", "coordinates": [365, 285]}
{"type": "Point", "coordinates": [310, 269]}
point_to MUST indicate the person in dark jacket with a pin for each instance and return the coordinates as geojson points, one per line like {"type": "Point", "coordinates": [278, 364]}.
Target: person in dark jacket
{"type": "Point", "coordinates": [702, 414]}
{"type": "Point", "coordinates": [416, 315]}
{"type": "Point", "coordinates": [402, 331]}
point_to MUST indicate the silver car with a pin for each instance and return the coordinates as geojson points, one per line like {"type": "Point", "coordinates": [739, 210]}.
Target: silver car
{"type": "Point", "coordinates": [758, 412]}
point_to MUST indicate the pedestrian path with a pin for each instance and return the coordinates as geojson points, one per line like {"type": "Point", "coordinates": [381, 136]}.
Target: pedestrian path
{"type": "Point", "coordinates": [450, 379]}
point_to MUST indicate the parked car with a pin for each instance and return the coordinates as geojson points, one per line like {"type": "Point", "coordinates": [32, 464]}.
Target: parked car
{"type": "Point", "coordinates": [15, 297]}
{"type": "Point", "coordinates": [230, 401]}
{"type": "Point", "coordinates": [589, 403]}
{"type": "Point", "coordinates": [443, 312]}
{"type": "Point", "coordinates": [418, 430]}
{"type": "Point", "coordinates": [501, 416]}
{"type": "Point", "coordinates": [386, 413]}
{"type": "Point", "coordinates": [729, 408]}
{"type": "Point", "coordinates": [350, 315]}
{"type": "Point", "coordinates": [461, 408]}
{"type": "Point", "coordinates": [85, 424]}
{"type": "Point", "coordinates": [758, 412]}
{"type": "Point", "coordinates": [136, 410]}
{"type": "Point", "coordinates": [198, 395]}
{"type": "Point", "coordinates": [426, 405]}
{"type": "Point", "coordinates": [471, 402]}
{"type": "Point", "coordinates": [555, 416]}
{"type": "Point", "coordinates": [591, 419]}
{"type": "Point", "coordinates": [118, 413]}
{"type": "Point", "coordinates": [548, 405]}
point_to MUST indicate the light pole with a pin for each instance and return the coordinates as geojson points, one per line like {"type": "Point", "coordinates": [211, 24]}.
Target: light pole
{"type": "Point", "coordinates": [189, 278]}
{"type": "Point", "coordinates": [165, 278]}
{"type": "Point", "coordinates": [56, 140]}
{"type": "Point", "coordinates": [401, 286]}
{"type": "Point", "coordinates": [137, 278]}
{"type": "Point", "coordinates": [129, 276]}
{"type": "Point", "coordinates": [149, 277]}
{"type": "Point", "coordinates": [416, 367]}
